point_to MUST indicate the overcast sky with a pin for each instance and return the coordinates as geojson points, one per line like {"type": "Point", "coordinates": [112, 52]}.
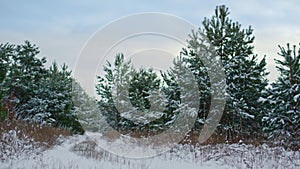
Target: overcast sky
{"type": "Point", "coordinates": [61, 27]}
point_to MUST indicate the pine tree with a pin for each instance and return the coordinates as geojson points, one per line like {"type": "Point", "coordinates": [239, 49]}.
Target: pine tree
{"type": "Point", "coordinates": [34, 92]}
{"type": "Point", "coordinates": [51, 102]}
{"type": "Point", "coordinates": [5, 51]}
{"type": "Point", "coordinates": [144, 95]}
{"type": "Point", "coordinates": [4, 60]}
{"type": "Point", "coordinates": [23, 72]}
{"type": "Point", "coordinates": [181, 91]}
{"type": "Point", "coordinates": [245, 76]}
{"type": "Point", "coordinates": [130, 99]}
{"type": "Point", "coordinates": [171, 90]}
{"type": "Point", "coordinates": [86, 109]}
{"type": "Point", "coordinates": [115, 79]}
{"type": "Point", "coordinates": [194, 57]}
{"type": "Point", "coordinates": [283, 119]}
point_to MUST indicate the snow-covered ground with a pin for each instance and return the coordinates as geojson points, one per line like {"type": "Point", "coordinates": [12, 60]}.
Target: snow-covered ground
{"type": "Point", "coordinates": [80, 152]}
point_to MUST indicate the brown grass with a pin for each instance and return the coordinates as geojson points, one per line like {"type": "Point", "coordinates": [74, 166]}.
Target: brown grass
{"type": "Point", "coordinates": [41, 134]}
{"type": "Point", "coordinates": [17, 137]}
{"type": "Point", "coordinates": [245, 138]}
{"type": "Point", "coordinates": [221, 138]}
{"type": "Point", "coordinates": [87, 149]}
{"type": "Point", "coordinates": [192, 138]}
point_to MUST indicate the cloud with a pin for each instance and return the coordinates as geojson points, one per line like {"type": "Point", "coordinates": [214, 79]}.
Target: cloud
{"type": "Point", "coordinates": [61, 28]}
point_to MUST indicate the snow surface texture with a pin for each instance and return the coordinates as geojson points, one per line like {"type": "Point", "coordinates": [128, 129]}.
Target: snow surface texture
{"type": "Point", "coordinates": [81, 152]}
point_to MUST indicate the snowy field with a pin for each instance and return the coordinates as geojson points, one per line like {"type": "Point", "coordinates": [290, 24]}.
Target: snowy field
{"type": "Point", "coordinates": [80, 152]}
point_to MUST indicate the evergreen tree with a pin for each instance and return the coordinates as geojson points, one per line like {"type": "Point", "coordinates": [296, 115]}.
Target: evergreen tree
{"type": "Point", "coordinates": [245, 76]}
{"type": "Point", "coordinates": [171, 90]}
{"type": "Point", "coordinates": [193, 56]}
{"type": "Point", "coordinates": [4, 60]}
{"type": "Point", "coordinates": [283, 119]}
{"type": "Point", "coordinates": [86, 109]}
{"type": "Point", "coordinates": [180, 90]}
{"type": "Point", "coordinates": [130, 99]}
{"type": "Point", "coordinates": [23, 70]}
{"type": "Point", "coordinates": [5, 51]}
{"type": "Point", "coordinates": [34, 92]}
{"type": "Point", "coordinates": [23, 74]}
{"type": "Point", "coordinates": [144, 94]}
{"type": "Point", "coordinates": [115, 78]}
{"type": "Point", "coordinates": [52, 101]}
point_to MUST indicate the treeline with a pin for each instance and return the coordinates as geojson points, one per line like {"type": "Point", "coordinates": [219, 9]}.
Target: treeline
{"type": "Point", "coordinates": [254, 108]}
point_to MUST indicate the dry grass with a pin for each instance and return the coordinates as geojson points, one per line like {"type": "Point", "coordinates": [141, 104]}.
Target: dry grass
{"type": "Point", "coordinates": [233, 155]}
{"type": "Point", "coordinates": [88, 149]}
{"type": "Point", "coordinates": [18, 137]}
{"type": "Point", "coordinates": [221, 138]}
